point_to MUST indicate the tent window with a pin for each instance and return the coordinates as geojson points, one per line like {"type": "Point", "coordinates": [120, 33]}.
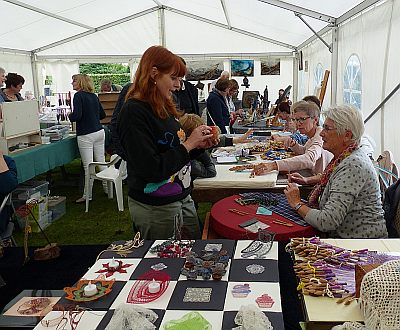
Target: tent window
{"type": "Point", "coordinates": [318, 76]}
{"type": "Point", "coordinates": [352, 82]}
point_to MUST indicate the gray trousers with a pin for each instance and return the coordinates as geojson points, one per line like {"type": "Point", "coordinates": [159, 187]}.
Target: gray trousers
{"type": "Point", "coordinates": [157, 222]}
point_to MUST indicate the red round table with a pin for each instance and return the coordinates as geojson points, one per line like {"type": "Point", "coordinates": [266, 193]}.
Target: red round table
{"type": "Point", "coordinates": [226, 223]}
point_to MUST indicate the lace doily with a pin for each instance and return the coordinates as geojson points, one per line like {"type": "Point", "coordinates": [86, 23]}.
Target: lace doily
{"type": "Point", "coordinates": [250, 317]}
{"type": "Point", "coordinates": [131, 317]}
{"type": "Point", "coordinates": [380, 299]}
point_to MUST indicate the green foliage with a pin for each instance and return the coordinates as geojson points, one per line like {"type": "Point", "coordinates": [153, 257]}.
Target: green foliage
{"type": "Point", "coordinates": [119, 74]}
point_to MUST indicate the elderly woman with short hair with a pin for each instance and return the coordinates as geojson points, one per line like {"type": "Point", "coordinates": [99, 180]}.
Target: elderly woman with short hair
{"type": "Point", "coordinates": [309, 156]}
{"type": "Point", "coordinates": [345, 201]}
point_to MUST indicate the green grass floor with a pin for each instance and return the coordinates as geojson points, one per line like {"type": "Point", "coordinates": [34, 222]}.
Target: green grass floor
{"type": "Point", "coordinates": [103, 223]}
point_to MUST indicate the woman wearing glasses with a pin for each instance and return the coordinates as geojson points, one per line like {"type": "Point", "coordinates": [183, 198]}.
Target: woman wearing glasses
{"type": "Point", "coordinates": [345, 201]}
{"type": "Point", "coordinates": [309, 156]}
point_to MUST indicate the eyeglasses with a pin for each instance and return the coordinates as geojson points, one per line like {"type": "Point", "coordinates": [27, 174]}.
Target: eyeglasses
{"type": "Point", "coordinates": [301, 119]}
{"type": "Point", "coordinates": [327, 128]}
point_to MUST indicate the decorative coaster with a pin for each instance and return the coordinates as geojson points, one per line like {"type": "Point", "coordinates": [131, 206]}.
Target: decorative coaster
{"type": "Point", "coordinates": [241, 290]}
{"type": "Point", "coordinates": [110, 269]}
{"type": "Point", "coordinates": [77, 293]}
{"type": "Point", "coordinates": [255, 269]}
{"type": "Point", "coordinates": [213, 247]}
{"type": "Point", "coordinates": [140, 293]}
{"type": "Point", "coordinates": [197, 295]}
{"type": "Point", "coordinates": [159, 266]}
{"type": "Point", "coordinates": [265, 301]}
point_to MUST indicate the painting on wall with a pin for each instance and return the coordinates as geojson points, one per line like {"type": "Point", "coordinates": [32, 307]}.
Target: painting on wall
{"type": "Point", "coordinates": [271, 66]}
{"type": "Point", "coordinates": [248, 98]}
{"type": "Point", "coordinates": [204, 70]}
{"type": "Point", "coordinates": [241, 68]}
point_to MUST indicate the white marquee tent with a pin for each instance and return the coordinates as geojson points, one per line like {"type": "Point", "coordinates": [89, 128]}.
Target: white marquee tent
{"type": "Point", "coordinates": [355, 40]}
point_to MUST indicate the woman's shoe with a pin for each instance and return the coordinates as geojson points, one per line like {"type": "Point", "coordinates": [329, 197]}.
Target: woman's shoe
{"type": "Point", "coordinates": [80, 200]}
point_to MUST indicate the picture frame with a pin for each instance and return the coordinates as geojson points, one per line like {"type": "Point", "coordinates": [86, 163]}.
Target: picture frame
{"type": "Point", "coordinates": [248, 98]}
{"type": "Point", "coordinates": [241, 68]}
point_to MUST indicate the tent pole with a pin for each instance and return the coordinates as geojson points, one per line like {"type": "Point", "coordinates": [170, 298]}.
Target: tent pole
{"type": "Point", "coordinates": [295, 77]}
{"type": "Point", "coordinates": [35, 75]}
{"type": "Point", "coordinates": [334, 65]}
{"type": "Point", "coordinates": [161, 26]}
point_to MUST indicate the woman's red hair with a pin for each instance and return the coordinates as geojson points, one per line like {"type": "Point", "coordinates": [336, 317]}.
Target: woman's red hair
{"type": "Point", "coordinates": [144, 87]}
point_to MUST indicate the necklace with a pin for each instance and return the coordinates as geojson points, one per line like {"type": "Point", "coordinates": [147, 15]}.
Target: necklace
{"type": "Point", "coordinates": [10, 96]}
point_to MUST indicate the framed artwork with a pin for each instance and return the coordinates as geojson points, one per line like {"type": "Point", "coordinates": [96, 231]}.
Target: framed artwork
{"type": "Point", "coordinates": [271, 66]}
{"type": "Point", "coordinates": [204, 70]}
{"type": "Point", "coordinates": [248, 98]}
{"type": "Point", "coordinates": [241, 68]}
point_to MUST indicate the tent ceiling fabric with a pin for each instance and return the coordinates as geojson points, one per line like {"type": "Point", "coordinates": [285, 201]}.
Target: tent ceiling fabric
{"type": "Point", "coordinates": [103, 27]}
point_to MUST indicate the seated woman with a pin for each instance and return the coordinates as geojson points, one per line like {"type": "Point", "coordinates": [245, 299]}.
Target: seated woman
{"type": "Point", "coordinates": [218, 113]}
{"type": "Point", "coordinates": [311, 155]}
{"type": "Point", "coordinates": [346, 200]}
{"type": "Point", "coordinates": [14, 84]}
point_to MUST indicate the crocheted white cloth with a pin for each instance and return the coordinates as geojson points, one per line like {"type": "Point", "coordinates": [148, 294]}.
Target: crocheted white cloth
{"type": "Point", "coordinates": [250, 317]}
{"type": "Point", "coordinates": [132, 317]}
{"type": "Point", "coordinates": [380, 299]}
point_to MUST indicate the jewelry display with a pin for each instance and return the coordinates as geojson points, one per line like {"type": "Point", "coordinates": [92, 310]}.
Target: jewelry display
{"type": "Point", "coordinates": [78, 293]}
{"type": "Point", "coordinates": [124, 249]}
{"type": "Point", "coordinates": [114, 266]}
{"type": "Point", "coordinates": [172, 248]}
{"type": "Point", "coordinates": [241, 290]}
{"type": "Point", "coordinates": [207, 264]}
{"type": "Point", "coordinates": [140, 292]}
{"type": "Point", "coordinates": [255, 269]}
{"type": "Point", "coordinates": [197, 295]}
{"type": "Point", "coordinates": [265, 301]}
{"type": "Point", "coordinates": [33, 306]}
{"type": "Point", "coordinates": [50, 323]}
{"type": "Point", "coordinates": [192, 320]}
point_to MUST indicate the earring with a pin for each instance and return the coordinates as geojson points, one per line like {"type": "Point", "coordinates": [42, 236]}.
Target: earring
{"type": "Point", "coordinates": [155, 82]}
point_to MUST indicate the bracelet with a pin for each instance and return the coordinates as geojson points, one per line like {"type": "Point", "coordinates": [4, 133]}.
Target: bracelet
{"type": "Point", "coordinates": [298, 205]}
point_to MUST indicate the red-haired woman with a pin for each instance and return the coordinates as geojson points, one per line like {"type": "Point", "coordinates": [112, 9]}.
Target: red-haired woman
{"type": "Point", "coordinates": [158, 152]}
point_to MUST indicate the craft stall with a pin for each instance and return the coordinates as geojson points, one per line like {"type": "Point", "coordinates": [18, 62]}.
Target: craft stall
{"type": "Point", "coordinates": [216, 284]}
{"type": "Point", "coordinates": [330, 273]}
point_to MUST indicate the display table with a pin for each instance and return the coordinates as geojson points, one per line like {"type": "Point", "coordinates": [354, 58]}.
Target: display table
{"type": "Point", "coordinates": [221, 306]}
{"type": "Point", "coordinates": [257, 126]}
{"type": "Point", "coordinates": [226, 223]}
{"type": "Point", "coordinates": [324, 312]}
{"type": "Point", "coordinates": [42, 158]}
{"type": "Point", "coordinates": [227, 183]}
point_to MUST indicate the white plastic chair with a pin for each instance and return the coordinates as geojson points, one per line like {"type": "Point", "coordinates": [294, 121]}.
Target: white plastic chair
{"type": "Point", "coordinates": [112, 175]}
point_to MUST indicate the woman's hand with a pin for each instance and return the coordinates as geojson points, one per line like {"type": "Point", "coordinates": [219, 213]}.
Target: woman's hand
{"type": "Point", "coordinates": [292, 193]}
{"type": "Point", "coordinates": [201, 137]}
{"type": "Point", "coordinates": [263, 168]}
{"type": "Point", "coordinates": [297, 178]}
{"type": "Point", "coordinates": [244, 138]}
{"type": "Point", "coordinates": [289, 143]}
